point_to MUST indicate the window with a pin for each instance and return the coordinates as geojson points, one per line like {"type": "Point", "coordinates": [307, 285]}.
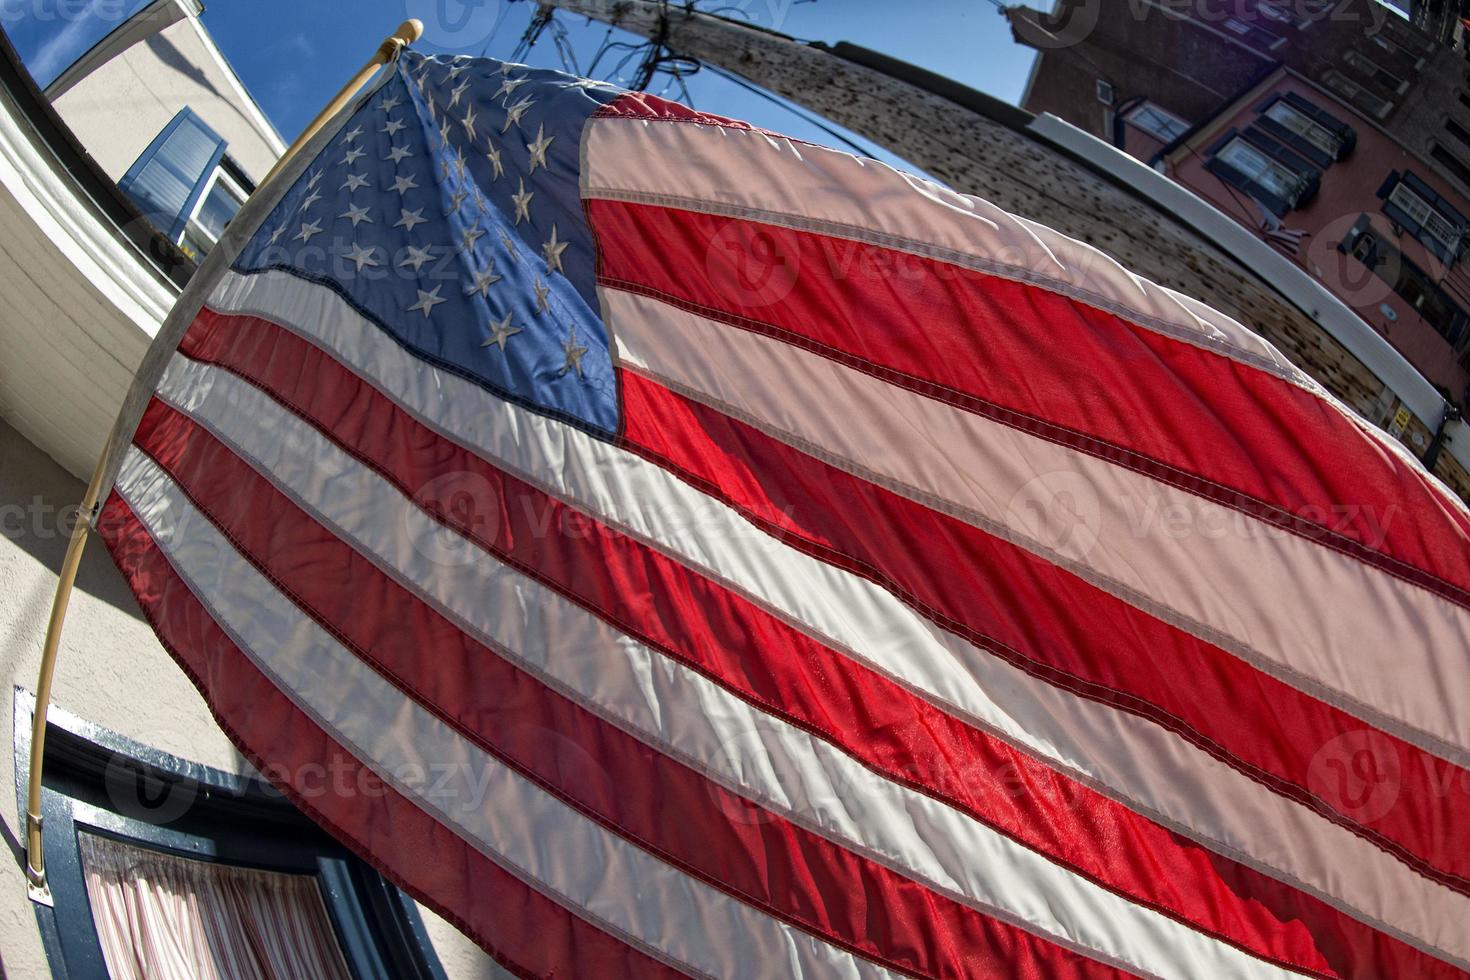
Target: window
{"type": "Point", "coordinates": [1410, 282]}
{"type": "Point", "coordinates": [1381, 76]}
{"type": "Point", "coordinates": [1414, 206]}
{"type": "Point", "coordinates": [1452, 164]}
{"type": "Point", "coordinates": [1396, 49]}
{"type": "Point", "coordinates": [1308, 129]}
{"type": "Point", "coordinates": [1105, 93]}
{"type": "Point", "coordinates": [179, 185]}
{"type": "Point", "coordinates": [234, 853]}
{"type": "Point", "coordinates": [217, 206]}
{"type": "Point", "coordinates": [1249, 32]}
{"type": "Point", "coordinates": [1158, 123]}
{"type": "Point", "coordinates": [1260, 169]}
{"type": "Point", "coordinates": [1406, 36]}
{"type": "Point", "coordinates": [1278, 179]}
{"type": "Point", "coordinates": [192, 915]}
{"type": "Point", "coordinates": [1370, 103]}
{"type": "Point", "coordinates": [1458, 132]}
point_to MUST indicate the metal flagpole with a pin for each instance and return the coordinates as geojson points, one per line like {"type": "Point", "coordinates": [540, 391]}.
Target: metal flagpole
{"type": "Point", "coordinates": [36, 886]}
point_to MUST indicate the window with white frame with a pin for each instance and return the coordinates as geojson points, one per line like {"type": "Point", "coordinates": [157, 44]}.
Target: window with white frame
{"type": "Point", "coordinates": [1299, 123]}
{"type": "Point", "coordinates": [1159, 123]}
{"type": "Point", "coordinates": [222, 198]}
{"type": "Point", "coordinates": [1420, 211]}
{"type": "Point", "coordinates": [1255, 166]}
{"type": "Point", "coordinates": [182, 184]}
{"type": "Point", "coordinates": [1433, 224]}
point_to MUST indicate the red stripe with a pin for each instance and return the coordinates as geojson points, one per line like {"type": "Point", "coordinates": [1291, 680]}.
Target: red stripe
{"type": "Point", "coordinates": [1053, 624]}
{"type": "Point", "coordinates": [598, 769]}
{"type": "Point", "coordinates": [1059, 369]}
{"type": "Point", "coordinates": [712, 629]}
{"type": "Point", "coordinates": [520, 927]}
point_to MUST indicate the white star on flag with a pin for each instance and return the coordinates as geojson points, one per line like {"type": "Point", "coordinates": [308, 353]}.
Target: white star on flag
{"type": "Point", "coordinates": [552, 249]}
{"type": "Point", "coordinates": [501, 332]}
{"type": "Point", "coordinates": [357, 215]}
{"type": "Point", "coordinates": [514, 113]}
{"type": "Point", "coordinates": [574, 352]}
{"type": "Point", "coordinates": [410, 218]}
{"type": "Point", "coordinates": [469, 236]}
{"type": "Point", "coordinates": [509, 85]}
{"type": "Point", "coordinates": [362, 256]}
{"type": "Point", "coordinates": [523, 202]}
{"type": "Point", "coordinates": [418, 256]}
{"type": "Point", "coordinates": [538, 147]}
{"type": "Point", "coordinates": [484, 279]}
{"type": "Point", "coordinates": [427, 301]}
{"type": "Point", "coordinates": [308, 230]}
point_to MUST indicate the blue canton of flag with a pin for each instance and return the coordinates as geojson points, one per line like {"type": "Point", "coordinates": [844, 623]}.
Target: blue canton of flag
{"type": "Point", "coordinates": [447, 210]}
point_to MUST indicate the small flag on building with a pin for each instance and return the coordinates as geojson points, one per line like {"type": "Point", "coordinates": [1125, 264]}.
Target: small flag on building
{"type": "Point", "coordinates": [711, 554]}
{"type": "Point", "coordinates": [1275, 232]}
{"type": "Point", "coordinates": [1289, 240]}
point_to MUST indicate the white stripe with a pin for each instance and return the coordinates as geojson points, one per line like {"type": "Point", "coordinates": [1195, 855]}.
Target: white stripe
{"type": "Point", "coordinates": [707, 168]}
{"type": "Point", "coordinates": [617, 885]}
{"type": "Point", "coordinates": [1130, 759]}
{"type": "Point", "coordinates": [679, 711]}
{"type": "Point", "coordinates": [1375, 645]}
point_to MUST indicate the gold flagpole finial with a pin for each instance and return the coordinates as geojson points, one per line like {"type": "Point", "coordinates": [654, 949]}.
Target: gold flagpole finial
{"type": "Point", "coordinates": [408, 32]}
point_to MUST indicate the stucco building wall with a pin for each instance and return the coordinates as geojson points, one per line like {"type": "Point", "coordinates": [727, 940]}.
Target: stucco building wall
{"type": "Point", "coordinates": [118, 109]}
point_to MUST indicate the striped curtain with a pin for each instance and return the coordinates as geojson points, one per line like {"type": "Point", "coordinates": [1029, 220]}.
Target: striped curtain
{"type": "Point", "coordinates": [161, 917]}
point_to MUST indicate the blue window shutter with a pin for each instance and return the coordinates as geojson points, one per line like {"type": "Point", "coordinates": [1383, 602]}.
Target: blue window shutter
{"type": "Point", "coordinates": [167, 180]}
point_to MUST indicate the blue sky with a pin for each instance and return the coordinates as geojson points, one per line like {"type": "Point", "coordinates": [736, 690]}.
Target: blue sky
{"type": "Point", "coordinates": [294, 54]}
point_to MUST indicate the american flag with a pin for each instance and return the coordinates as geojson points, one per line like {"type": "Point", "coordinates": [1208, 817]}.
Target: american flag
{"type": "Point", "coordinates": [712, 554]}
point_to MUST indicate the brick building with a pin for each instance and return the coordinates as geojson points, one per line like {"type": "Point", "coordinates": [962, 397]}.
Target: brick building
{"type": "Point", "coordinates": [1338, 131]}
